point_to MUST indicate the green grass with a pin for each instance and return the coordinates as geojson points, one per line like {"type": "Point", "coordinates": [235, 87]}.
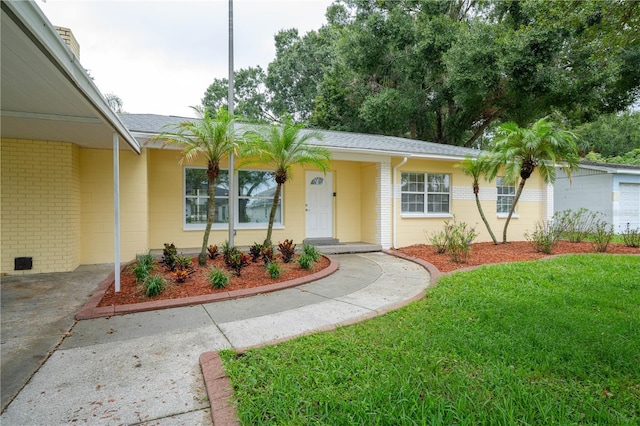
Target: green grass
{"type": "Point", "coordinates": [547, 342]}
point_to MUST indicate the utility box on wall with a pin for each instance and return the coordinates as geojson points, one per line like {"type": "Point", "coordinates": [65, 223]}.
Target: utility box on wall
{"type": "Point", "coordinates": [23, 263]}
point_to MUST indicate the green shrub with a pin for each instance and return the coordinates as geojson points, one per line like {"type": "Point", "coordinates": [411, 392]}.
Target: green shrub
{"type": "Point", "coordinates": [274, 270]}
{"type": "Point", "coordinates": [544, 237]}
{"type": "Point", "coordinates": [439, 241]}
{"type": "Point", "coordinates": [601, 236]}
{"type": "Point", "coordinates": [141, 271]}
{"type": "Point", "coordinates": [146, 259]}
{"type": "Point", "coordinates": [458, 236]}
{"type": "Point", "coordinates": [228, 252]}
{"type": "Point", "coordinates": [631, 237]}
{"type": "Point", "coordinates": [287, 249]}
{"type": "Point", "coordinates": [305, 261]}
{"type": "Point", "coordinates": [311, 251]}
{"type": "Point", "coordinates": [218, 278]}
{"type": "Point", "coordinates": [154, 285]}
{"type": "Point", "coordinates": [576, 226]}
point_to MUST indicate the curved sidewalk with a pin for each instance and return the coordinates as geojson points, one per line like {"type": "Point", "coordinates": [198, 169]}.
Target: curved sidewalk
{"type": "Point", "coordinates": [144, 367]}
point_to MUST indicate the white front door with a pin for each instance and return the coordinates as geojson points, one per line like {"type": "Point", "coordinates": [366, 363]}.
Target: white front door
{"type": "Point", "coordinates": [319, 205]}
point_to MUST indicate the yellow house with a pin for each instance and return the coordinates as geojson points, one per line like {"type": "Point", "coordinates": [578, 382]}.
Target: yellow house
{"type": "Point", "coordinates": [81, 184]}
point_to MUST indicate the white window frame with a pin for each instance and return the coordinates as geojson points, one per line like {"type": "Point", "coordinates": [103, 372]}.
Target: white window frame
{"type": "Point", "coordinates": [425, 193]}
{"type": "Point", "coordinates": [512, 196]}
{"type": "Point", "coordinates": [222, 226]}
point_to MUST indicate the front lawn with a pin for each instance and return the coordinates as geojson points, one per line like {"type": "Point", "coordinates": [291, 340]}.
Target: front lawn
{"type": "Point", "coordinates": [546, 342]}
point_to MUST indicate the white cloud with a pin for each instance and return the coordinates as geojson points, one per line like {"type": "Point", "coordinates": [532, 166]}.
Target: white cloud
{"type": "Point", "coordinates": [160, 56]}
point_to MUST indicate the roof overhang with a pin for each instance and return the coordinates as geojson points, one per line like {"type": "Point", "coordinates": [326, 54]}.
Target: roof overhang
{"type": "Point", "coordinates": [46, 93]}
{"type": "Point", "coordinates": [611, 168]}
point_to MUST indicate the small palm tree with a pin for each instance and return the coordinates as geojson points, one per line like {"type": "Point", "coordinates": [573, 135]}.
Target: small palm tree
{"type": "Point", "coordinates": [214, 138]}
{"type": "Point", "coordinates": [281, 148]}
{"type": "Point", "coordinates": [520, 151]}
{"type": "Point", "coordinates": [477, 167]}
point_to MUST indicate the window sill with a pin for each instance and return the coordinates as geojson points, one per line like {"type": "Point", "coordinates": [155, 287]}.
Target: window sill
{"type": "Point", "coordinates": [425, 216]}
{"type": "Point", "coordinates": [238, 227]}
{"type": "Point", "coordinates": [506, 215]}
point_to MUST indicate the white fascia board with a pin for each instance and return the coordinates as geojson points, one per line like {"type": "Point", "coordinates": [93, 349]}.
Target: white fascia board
{"type": "Point", "coordinates": [360, 153]}
{"type": "Point", "coordinates": [40, 30]}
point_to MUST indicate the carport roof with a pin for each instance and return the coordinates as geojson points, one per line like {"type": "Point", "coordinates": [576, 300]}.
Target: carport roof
{"type": "Point", "coordinates": [46, 93]}
{"type": "Point", "coordinates": [143, 126]}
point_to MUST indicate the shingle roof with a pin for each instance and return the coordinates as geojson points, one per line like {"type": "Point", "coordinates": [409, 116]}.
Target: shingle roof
{"type": "Point", "coordinates": [620, 168]}
{"type": "Point", "coordinates": [152, 124]}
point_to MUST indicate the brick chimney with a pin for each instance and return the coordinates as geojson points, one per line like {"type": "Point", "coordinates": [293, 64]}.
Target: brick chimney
{"type": "Point", "coordinates": [70, 40]}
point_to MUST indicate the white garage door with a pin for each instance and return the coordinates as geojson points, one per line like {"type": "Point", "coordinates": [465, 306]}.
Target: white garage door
{"type": "Point", "coordinates": [630, 204]}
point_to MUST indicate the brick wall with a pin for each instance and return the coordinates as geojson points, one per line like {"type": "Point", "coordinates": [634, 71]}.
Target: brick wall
{"type": "Point", "coordinates": [40, 205]}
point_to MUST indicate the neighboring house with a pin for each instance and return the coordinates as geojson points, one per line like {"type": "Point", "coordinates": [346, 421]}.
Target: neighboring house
{"type": "Point", "coordinates": [61, 147]}
{"type": "Point", "coordinates": [610, 189]}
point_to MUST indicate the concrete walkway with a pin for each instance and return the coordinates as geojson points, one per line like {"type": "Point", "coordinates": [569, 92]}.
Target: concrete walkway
{"type": "Point", "coordinates": [143, 368]}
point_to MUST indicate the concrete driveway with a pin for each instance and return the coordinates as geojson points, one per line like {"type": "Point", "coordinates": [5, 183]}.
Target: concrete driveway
{"type": "Point", "coordinates": [37, 311]}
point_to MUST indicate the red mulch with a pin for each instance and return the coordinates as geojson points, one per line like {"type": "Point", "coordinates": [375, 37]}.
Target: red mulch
{"type": "Point", "coordinates": [485, 253]}
{"type": "Point", "coordinates": [197, 283]}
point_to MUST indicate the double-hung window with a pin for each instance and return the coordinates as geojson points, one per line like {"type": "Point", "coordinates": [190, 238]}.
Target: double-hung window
{"type": "Point", "coordinates": [506, 196]}
{"type": "Point", "coordinates": [425, 193]}
{"type": "Point", "coordinates": [254, 199]}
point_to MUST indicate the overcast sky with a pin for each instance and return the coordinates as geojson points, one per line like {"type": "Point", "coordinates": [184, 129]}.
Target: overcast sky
{"type": "Point", "coordinates": [160, 56]}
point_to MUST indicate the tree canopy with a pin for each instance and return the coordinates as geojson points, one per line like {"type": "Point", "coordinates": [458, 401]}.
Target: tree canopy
{"type": "Point", "coordinates": [449, 71]}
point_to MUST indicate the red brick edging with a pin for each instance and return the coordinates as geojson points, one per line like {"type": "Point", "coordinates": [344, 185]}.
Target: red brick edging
{"type": "Point", "coordinates": [92, 310]}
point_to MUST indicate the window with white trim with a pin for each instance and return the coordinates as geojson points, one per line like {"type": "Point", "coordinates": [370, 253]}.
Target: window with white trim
{"type": "Point", "coordinates": [425, 193]}
{"type": "Point", "coordinates": [256, 189]}
{"type": "Point", "coordinates": [506, 196]}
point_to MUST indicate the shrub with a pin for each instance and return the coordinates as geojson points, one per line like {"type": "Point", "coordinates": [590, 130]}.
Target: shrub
{"type": "Point", "coordinates": [212, 252]}
{"type": "Point", "coordinates": [169, 254]}
{"type": "Point", "coordinates": [255, 250]}
{"type": "Point", "coordinates": [311, 251]}
{"type": "Point", "coordinates": [458, 237]}
{"type": "Point", "coordinates": [228, 252]}
{"type": "Point", "coordinates": [146, 259]}
{"type": "Point", "coordinates": [439, 241]}
{"type": "Point", "coordinates": [576, 226]}
{"type": "Point", "coordinates": [544, 237]}
{"type": "Point", "coordinates": [601, 236]}
{"type": "Point", "coordinates": [237, 261]}
{"type": "Point", "coordinates": [305, 261]}
{"type": "Point", "coordinates": [154, 285]}
{"type": "Point", "coordinates": [631, 237]}
{"type": "Point", "coordinates": [274, 270]}
{"type": "Point", "coordinates": [267, 254]}
{"type": "Point", "coordinates": [141, 271]}
{"type": "Point", "coordinates": [287, 249]}
{"type": "Point", "coordinates": [143, 267]}
{"type": "Point", "coordinates": [218, 278]}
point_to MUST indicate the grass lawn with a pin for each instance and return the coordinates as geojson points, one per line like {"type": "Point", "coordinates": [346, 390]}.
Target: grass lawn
{"type": "Point", "coordinates": [547, 342]}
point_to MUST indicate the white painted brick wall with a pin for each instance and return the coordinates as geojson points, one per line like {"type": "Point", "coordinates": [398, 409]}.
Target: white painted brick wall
{"type": "Point", "coordinates": [384, 206]}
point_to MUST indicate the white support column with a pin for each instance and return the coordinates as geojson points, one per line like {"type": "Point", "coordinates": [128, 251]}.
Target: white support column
{"type": "Point", "coordinates": [385, 191]}
{"type": "Point", "coordinates": [230, 104]}
{"type": "Point", "coordinates": [116, 210]}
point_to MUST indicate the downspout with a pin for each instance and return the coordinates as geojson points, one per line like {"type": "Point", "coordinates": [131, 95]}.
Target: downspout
{"type": "Point", "coordinates": [116, 211]}
{"type": "Point", "coordinates": [232, 167]}
{"type": "Point", "coordinates": [395, 208]}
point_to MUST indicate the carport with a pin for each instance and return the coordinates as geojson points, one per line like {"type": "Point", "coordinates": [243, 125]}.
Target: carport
{"type": "Point", "coordinates": [46, 95]}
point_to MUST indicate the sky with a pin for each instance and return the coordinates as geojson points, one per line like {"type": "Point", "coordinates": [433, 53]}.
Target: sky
{"type": "Point", "coordinates": [159, 57]}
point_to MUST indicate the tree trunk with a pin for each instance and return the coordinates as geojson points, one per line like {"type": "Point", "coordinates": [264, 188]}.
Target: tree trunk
{"type": "Point", "coordinates": [272, 215]}
{"type": "Point", "coordinates": [484, 219]}
{"type": "Point", "coordinates": [513, 208]}
{"type": "Point", "coordinates": [211, 211]}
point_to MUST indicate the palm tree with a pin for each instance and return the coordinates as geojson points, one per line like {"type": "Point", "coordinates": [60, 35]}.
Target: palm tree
{"type": "Point", "coordinates": [281, 148]}
{"type": "Point", "coordinates": [476, 167]}
{"type": "Point", "coordinates": [213, 138]}
{"type": "Point", "coordinates": [520, 151]}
